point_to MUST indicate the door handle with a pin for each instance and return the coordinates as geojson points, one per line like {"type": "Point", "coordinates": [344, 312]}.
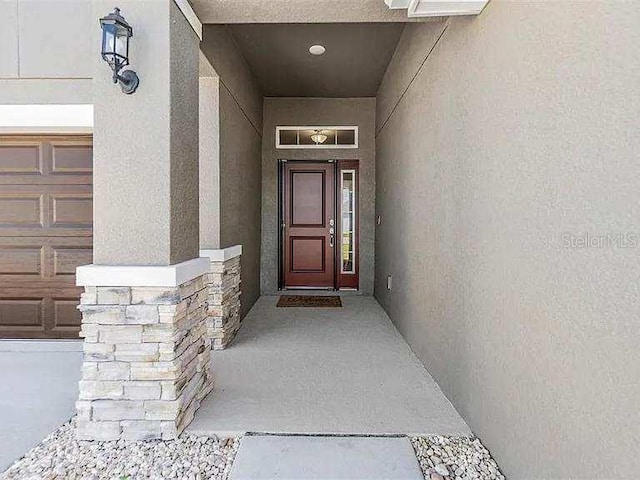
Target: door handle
{"type": "Point", "coordinates": [331, 240]}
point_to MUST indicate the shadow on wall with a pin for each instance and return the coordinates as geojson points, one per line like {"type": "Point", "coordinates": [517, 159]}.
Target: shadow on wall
{"type": "Point", "coordinates": [239, 150]}
{"type": "Point", "coordinates": [489, 160]}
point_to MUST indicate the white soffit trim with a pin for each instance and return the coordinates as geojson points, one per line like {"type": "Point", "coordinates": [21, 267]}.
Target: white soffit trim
{"type": "Point", "coordinates": [444, 8]}
{"type": "Point", "coordinates": [190, 15]}
{"type": "Point", "coordinates": [46, 118]}
{"type": "Point", "coordinates": [141, 276]}
{"type": "Point", "coordinates": [397, 4]}
{"type": "Point", "coordinates": [222, 255]}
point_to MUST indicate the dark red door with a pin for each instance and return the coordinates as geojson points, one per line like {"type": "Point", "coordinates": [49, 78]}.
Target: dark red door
{"type": "Point", "coordinates": [309, 224]}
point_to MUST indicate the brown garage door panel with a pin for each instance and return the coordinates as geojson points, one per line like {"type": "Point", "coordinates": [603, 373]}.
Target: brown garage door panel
{"type": "Point", "coordinates": [47, 316]}
{"type": "Point", "coordinates": [17, 312]}
{"type": "Point", "coordinates": [71, 157]}
{"type": "Point", "coordinates": [23, 260]}
{"type": "Point", "coordinates": [46, 217]}
{"type": "Point", "coordinates": [26, 160]}
{"type": "Point", "coordinates": [21, 157]}
{"type": "Point", "coordinates": [42, 262]}
{"type": "Point", "coordinates": [66, 258]}
{"type": "Point", "coordinates": [46, 210]}
{"type": "Point", "coordinates": [67, 317]}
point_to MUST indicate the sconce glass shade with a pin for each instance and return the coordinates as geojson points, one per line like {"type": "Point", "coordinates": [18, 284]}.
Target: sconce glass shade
{"type": "Point", "coordinates": [116, 33]}
{"type": "Point", "coordinates": [318, 137]}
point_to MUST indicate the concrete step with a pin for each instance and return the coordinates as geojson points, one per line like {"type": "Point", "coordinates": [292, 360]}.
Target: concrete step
{"type": "Point", "coordinates": [267, 457]}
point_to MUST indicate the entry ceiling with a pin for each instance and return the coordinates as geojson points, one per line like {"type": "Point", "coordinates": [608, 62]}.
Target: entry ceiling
{"type": "Point", "coordinates": [357, 55]}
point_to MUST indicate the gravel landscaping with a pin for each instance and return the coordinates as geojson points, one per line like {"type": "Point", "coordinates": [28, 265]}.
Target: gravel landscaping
{"type": "Point", "coordinates": [61, 456]}
{"type": "Point", "coordinates": [455, 458]}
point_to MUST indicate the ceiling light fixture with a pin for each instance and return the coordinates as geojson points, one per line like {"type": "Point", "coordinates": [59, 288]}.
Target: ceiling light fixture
{"type": "Point", "coordinates": [317, 50]}
{"type": "Point", "coordinates": [318, 137]}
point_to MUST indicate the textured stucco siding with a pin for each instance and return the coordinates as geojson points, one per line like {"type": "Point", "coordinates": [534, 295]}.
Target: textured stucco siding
{"type": "Point", "coordinates": [185, 201]}
{"type": "Point", "coordinates": [146, 184]}
{"type": "Point", "coordinates": [221, 51]}
{"type": "Point", "coordinates": [29, 91]}
{"type": "Point", "coordinates": [39, 62]}
{"type": "Point", "coordinates": [519, 128]}
{"type": "Point", "coordinates": [209, 162]}
{"type": "Point", "coordinates": [240, 193]}
{"type": "Point", "coordinates": [296, 11]}
{"type": "Point", "coordinates": [318, 111]}
{"type": "Point", "coordinates": [240, 167]}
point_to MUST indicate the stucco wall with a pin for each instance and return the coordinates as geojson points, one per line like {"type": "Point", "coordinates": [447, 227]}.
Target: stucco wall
{"type": "Point", "coordinates": [240, 193]}
{"type": "Point", "coordinates": [317, 111]}
{"type": "Point", "coordinates": [39, 63]}
{"type": "Point", "coordinates": [240, 124]}
{"type": "Point", "coordinates": [146, 183]}
{"type": "Point", "coordinates": [209, 162]}
{"type": "Point", "coordinates": [296, 11]}
{"type": "Point", "coordinates": [519, 128]}
{"type": "Point", "coordinates": [184, 110]}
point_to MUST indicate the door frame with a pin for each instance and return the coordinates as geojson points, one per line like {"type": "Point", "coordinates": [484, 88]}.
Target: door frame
{"type": "Point", "coordinates": [338, 165]}
{"type": "Point", "coordinates": [281, 223]}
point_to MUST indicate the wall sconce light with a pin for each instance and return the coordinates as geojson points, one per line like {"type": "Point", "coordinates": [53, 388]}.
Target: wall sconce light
{"type": "Point", "coordinates": [318, 137]}
{"type": "Point", "coordinates": [116, 33]}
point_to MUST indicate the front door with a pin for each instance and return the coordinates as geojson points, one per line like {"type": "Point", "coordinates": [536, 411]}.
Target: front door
{"type": "Point", "coordinates": [308, 223]}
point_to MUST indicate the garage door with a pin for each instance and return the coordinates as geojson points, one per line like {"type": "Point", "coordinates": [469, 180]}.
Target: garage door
{"type": "Point", "coordinates": [45, 233]}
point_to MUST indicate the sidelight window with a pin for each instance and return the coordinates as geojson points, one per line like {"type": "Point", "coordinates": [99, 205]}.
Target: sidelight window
{"type": "Point", "coordinates": [348, 212]}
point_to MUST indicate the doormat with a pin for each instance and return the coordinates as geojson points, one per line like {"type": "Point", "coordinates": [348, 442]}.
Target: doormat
{"type": "Point", "coordinates": [309, 301]}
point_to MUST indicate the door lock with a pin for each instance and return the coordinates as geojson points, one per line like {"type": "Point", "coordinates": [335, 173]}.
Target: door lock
{"type": "Point", "coordinates": [332, 222]}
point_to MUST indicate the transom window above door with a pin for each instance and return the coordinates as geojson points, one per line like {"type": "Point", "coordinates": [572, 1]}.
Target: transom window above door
{"type": "Point", "coordinates": [316, 137]}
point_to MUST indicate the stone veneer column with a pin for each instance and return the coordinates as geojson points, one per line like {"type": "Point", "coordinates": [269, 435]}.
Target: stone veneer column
{"type": "Point", "coordinates": [146, 351]}
{"type": "Point", "coordinates": [146, 363]}
{"type": "Point", "coordinates": [223, 293]}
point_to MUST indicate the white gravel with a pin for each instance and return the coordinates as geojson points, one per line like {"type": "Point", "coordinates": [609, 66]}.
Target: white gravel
{"type": "Point", "coordinates": [455, 458]}
{"type": "Point", "coordinates": [60, 456]}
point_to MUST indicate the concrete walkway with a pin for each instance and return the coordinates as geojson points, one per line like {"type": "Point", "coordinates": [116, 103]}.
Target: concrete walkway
{"type": "Point", "coordinates": [40, 386]}
{"type": "Point", "coordinates": [323, 371]}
